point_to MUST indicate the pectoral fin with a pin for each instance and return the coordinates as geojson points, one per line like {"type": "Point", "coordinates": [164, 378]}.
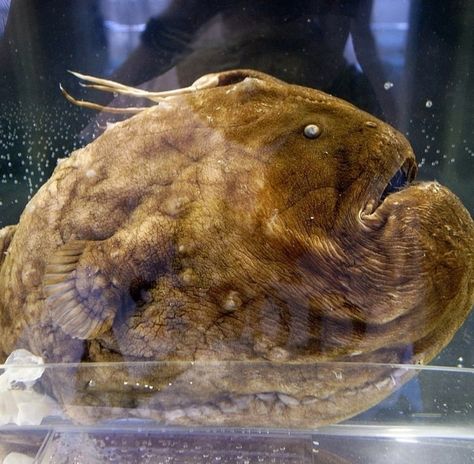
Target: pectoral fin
{"type": "Point", "coordinates": [80, 294]}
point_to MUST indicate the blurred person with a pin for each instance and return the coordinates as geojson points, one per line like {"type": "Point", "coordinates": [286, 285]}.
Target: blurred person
{"type": "Point", "coordinates": [301, 42]}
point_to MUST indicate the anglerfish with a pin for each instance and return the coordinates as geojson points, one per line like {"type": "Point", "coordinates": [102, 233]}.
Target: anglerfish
{"type": "Point", "coordinates": [245, 233]}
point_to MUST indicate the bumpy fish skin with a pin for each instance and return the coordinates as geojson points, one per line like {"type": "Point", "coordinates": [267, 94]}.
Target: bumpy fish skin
{"type": "Point", "coordinates": [237, 223]}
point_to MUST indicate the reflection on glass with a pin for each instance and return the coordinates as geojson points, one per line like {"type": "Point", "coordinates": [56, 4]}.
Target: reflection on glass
{"type": "Point", "coordinates": [241, 220]}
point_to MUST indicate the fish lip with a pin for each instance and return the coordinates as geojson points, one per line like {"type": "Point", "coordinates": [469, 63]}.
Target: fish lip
{"type": "Point", "coordinates": [408, 169]}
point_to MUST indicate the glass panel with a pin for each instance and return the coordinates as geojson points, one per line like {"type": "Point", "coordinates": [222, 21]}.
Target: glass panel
{"type": "Point", "coordinates": [150, 418]}
{"type": "Point", "coordinates": [239, 251]}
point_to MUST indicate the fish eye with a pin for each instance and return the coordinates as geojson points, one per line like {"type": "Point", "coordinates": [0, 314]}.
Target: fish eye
{"type": "Point", "coordinates": [312, 131]}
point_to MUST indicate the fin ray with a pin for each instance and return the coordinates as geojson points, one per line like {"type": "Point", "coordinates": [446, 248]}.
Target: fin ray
{"type": "Point", "coordinates": [85, 314]}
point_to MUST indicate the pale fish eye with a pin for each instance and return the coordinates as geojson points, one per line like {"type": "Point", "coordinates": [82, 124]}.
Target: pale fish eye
{"type": "Point", "coordinates": [312, 131]}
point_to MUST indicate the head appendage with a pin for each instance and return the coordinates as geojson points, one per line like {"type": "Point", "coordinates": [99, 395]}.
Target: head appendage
{"type": "Point", "coordinates": [96, 106]}
{"type": "Point", "coordinates": [106, 85]}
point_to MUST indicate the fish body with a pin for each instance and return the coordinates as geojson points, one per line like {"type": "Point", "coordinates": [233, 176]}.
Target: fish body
{"type": "Point", "coordinates": [244, 234]}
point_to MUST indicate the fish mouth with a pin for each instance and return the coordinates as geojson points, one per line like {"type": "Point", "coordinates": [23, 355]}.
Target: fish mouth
{"type": "Point", "coordinates": [404, 175]}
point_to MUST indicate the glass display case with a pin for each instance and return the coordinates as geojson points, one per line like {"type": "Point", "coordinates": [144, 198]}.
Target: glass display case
{"type": "Point", "coordinates": [317, 369]}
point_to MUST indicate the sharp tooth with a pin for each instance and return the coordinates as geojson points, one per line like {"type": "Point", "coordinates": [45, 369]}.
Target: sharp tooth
{"type": "Point", "coordinates": [409, 169]}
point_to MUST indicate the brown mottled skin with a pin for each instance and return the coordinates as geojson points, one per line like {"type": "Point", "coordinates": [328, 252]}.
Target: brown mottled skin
{"type": "Point", "coordinates": [210, 228]}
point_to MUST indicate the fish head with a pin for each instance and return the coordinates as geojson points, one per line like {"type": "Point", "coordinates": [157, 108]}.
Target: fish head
{"type": "Point", "coordinates": [389, 260]}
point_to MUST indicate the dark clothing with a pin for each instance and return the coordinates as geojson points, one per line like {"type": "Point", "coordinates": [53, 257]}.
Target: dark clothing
{"type": "Point", "coordinates": [45, 38]}
{"type": "Point", "coordinates": [287, 39]}
{"type": "Point", "coordinates": [174, 30]}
